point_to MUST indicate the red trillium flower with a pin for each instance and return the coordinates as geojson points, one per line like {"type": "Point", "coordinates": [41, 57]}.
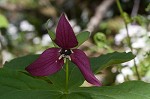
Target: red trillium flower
{"type": "Point", "coordinates": [52, 59]}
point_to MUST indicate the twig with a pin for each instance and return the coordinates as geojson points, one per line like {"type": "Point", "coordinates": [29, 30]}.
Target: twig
{"type": "Point", "coordinates": [99, 14]}
{"type": "Point", "coordinates": [135, 8]}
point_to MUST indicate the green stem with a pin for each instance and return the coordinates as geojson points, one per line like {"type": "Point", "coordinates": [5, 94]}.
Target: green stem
{"type": "Point", "coordinates": [67, 75]}
{"type": "Point", "coordinates": [129, 38]}
{"type": "Point", "coordinates": [119, 6]}
{"type": "Point", "coordinates": [2, 47]}
{"type": "Point", "coordinates": [129, 42]}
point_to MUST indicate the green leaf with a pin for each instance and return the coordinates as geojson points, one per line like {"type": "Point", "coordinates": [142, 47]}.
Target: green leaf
{"type": "Point", "coordinates": [75, 77]}
{"type": "Point", "coordinates": [100, 39]}
{"type": "Point", "coordinates": [3, 21]}
{"type": "Point", "coordinates": [17, 85]}
{"type": "Point", "coordinates": [21, 80]}
{"type": "Point", "coordinates": [147, 9]}
{"type": "Point", "coordinates": [14, 84]}
{"type": "Point", "coordinates": [82, 37]}
{"type": "Point", "coordinates": [103, 61]}
{"type": "Point", "coordinates": [126, 17]}
{"type": "Point", "coordinates": [22, 86]}
{"type": "Point", "coordinates": [51, 33]}
{"type": "Point", "coordinates": [127, 90]}
{"type": "Point", "coordinates": [20, 63]}
{"type": "Point", "coordinates": [139, 19]}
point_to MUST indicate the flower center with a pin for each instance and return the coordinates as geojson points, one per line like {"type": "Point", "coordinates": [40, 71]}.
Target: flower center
{"type": "Point", "coordinates": [65, 53]}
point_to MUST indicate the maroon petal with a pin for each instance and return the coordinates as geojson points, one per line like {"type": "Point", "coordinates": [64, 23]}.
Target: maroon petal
{"type": "Point", "coordinates": [65, 37]}
{"type": "Point", "coordinates": [46, 64]}
{"type": "Point", "coordinates": [79, 58]}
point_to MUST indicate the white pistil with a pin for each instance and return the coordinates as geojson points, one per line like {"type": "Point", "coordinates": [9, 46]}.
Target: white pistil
{"type": "Point", "coordinates": [59, 51]}
{"type": "Point", "coordinates": [61, 56]}
{"type": "Point", "coordinates": [68, 57]}
{"type": "Point", "coordinates": [71, 51]}
{"type": "Point", "coordinates": [64, 56]}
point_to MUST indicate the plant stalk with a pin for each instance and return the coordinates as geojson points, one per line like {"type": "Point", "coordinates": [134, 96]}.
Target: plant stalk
{"type": "Point", "coordinates": [129, 39]}
{"type": "Point", "coordinates": [1, 49]}
{"type": "Point", "coordinates": [67, 75]}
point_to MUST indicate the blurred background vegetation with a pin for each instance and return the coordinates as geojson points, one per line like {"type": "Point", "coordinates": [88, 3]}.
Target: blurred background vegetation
{"type": "Point", "coordinates": [23, 31]}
